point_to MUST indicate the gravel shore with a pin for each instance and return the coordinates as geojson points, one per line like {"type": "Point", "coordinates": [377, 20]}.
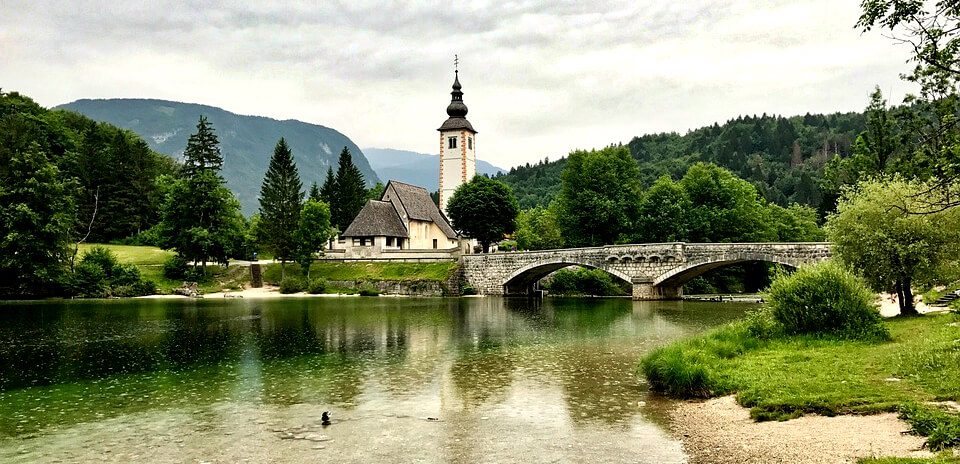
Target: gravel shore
{"type": "Point", "coordinates": [721, 431]}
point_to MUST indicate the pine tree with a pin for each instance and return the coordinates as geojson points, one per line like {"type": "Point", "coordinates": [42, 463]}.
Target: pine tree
{"type": "Point", "coordinates": [328, 192]}
{"type": "Point", "coordinates": [281, 197]}
{"type": "Point", "coordinates": [203, 150]}
{"type": "Point", "coordinates": [350, 194]}
{"type": "Point", "coordinates": [314, 192]}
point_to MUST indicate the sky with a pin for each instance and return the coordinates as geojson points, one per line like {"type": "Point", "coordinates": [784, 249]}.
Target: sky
{"type": "Point", "coordinates": [540, 78]}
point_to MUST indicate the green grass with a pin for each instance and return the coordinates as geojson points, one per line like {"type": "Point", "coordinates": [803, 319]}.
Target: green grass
{"type": "Point", "coordinates": [942, 458]}
{"type": "Point", "coordinates": [367, 271]}
{"type": "Point", "coordinates": [784, 377]}
{"type": "Point", "coordinates": [132, 254]}
{"type": "Point", "coordinates": [218, 279]}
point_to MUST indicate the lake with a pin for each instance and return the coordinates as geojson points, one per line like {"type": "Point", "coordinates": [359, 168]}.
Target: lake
{"type": "Point", "coordinates": [404, 379]}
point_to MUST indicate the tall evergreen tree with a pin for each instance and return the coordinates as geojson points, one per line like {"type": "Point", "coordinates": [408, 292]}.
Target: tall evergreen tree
{"type": "Point", "coordinates": [201, 217]}
{"type": "Point", "coordinates": [281, 198]}
{"type": "Point", "coordinates": [351, 191]}
{"type": "Point", "coordinates": [328, 192]}
{"type": "Point", "coordinates": [203, 149]}
{"type": "Point", "coordinates": [315, 192]}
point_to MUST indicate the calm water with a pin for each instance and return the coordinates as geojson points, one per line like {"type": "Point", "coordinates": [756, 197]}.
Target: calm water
{"type": "Point", "coordinates": [405, 380]}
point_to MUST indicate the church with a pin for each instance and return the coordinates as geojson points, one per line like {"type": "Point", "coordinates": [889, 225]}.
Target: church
{"type": "Point", "coordinates": [405, 218]}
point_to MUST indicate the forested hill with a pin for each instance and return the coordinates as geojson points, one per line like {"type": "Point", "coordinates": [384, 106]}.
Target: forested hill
{"type": "Point", "coordinates": [414, 168]}
{"type": "Point", "coordinates": [245, 141]}
{"type": "Point", "coordinates": [783, 157]}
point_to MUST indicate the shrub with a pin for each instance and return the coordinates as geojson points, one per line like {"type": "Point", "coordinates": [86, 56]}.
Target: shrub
{"type": "Point", "coordinates": [103, 258]}
{"type": "Point", "coordinates": [467, 289]}
{"type": "Point", "coordinates": [88, 281]}
{"type": "Point", "coordinates": [176, 267]}
{"type": "Point", "coordinates": [826, 299]}
{"type": "Point", "coordinates": [583, 282]}
{"type": "Point", "coordinates": [368, 290]}
{"type": "Point", "coordinates": [291, 284]}
{"type": "Point", "coordinates": [317, 286]}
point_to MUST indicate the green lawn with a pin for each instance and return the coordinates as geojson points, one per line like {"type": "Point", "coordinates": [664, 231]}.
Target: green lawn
{"type": "Point", "coordinates": [784, 377]}
{"type": "Point", "coordinates": [132, 254]}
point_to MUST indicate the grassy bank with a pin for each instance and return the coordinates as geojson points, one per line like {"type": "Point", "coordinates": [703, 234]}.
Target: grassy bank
{"type": "Point", "coordinates": [436, 272]}
{"type": "Point", "coordinates": [783, 377]}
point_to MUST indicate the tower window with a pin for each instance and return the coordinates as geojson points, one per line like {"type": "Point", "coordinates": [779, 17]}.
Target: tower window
{"type": "Point", "coordinates": [451, 142]}
{"type": "Point", "coordinates": [470, 143]}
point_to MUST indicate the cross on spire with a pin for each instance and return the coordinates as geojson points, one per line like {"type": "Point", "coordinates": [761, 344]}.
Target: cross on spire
{"type": "Point", "coordinates": [456, 63]}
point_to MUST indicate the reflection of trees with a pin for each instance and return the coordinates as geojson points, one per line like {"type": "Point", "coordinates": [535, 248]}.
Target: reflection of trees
{"type": "Point", "coordinates": [598, 386]}
{"type": "Point", "coordinates": [481, 374]}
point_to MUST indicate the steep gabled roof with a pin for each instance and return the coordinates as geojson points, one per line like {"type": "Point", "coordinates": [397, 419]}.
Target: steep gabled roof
{"type": "Point", "coordinates": [377, 218]}
{"type": "Point", "coordinates": [419, 206]}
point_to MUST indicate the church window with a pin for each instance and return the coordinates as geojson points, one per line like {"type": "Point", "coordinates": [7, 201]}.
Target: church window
{"type": "Point", "coordinates": [434, 244]}
{"type": "Point", "coordinates": [470, 143]}
{"type": "Point", "coordinates": [451, 142]}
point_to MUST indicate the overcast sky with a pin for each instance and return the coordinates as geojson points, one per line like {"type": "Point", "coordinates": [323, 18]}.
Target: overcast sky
{"type": "Point", "coordinates": [540, 78]}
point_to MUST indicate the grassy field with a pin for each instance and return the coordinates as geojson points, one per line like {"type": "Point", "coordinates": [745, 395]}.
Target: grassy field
{"type": "Point", "coordinates": [785, 377]}
{"type": "Point", "coordinates": [131, 254]}
{"type": "Point", "coordinates": [366, 271]}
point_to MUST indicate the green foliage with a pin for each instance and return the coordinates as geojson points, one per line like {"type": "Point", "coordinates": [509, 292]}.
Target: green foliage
{"type": "Point", "coordinates": [350, 193]}
{"type": "Point", "coordinates": [537, 229]}
{"type": "Point", "coordinates": [292, 284]}
{"type": "Point", "coordinates": [281, 198]}
{"type": "Point", "coordinates": [99, 274]}
{"type": "Point", "coordinates": [314, 192]}
{"type": "Point", "coordinates": [203, 150]}
{"type": "Point", "coordinates": [583, 281]}
{"type": "Point", "coordinates": [483, 209]}
{"type": "Point", "coordinates": [329, 189]}
{"type": "Point", "coordinates": [598, 195]}
{"type": "Point", "coordinates": [368, 290]}
{"type": "Point", "coordinates": [313, 231]}
{"type": "Point", "coordinates": [201, 218]}
{"type": "Point", "coordinates": [436, 272]}
{"type": "Point", "coordinates": [317, 286]}
{"type": "Point", "coordinates": [941, 428]}
{"type": "Point", "coordinates": [874, 232]}
{"type": "Point", "coordinates": [825, 299]}
{"type": "Point", "coordinates": [35, 220]}
{"type": "Point", "coordinates": [467, 290]}
{"type": "Point", "coordinates": [663, 213]}
{"type": "Point", "coordinates": [783, 157]}
{"type": "Point", "coordinates": [176, 268]}
{"type": "Point", "coordinates": [797, 223]}
{"type": "Point", "coordinates": [724, 207]}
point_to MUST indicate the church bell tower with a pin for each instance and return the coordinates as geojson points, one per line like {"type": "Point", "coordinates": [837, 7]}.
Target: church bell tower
{"type": "Point", "coordinates": [458, 142]}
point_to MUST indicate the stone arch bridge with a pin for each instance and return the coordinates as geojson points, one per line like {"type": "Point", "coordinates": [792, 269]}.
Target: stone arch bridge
{"type": "Point", "coordinates": [657, 270]}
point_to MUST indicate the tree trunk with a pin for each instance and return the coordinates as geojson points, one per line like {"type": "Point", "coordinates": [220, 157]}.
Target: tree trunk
{"type": "Point", "coordinates": [283, 269]}
{"type": "Point", "coordinates": [486, 246]}
{"type": "Point", "coordinates": [907, 307]}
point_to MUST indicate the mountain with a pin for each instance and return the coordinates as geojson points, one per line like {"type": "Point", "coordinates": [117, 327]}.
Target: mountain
{"type": "Point", "coordinates": [246, 142]}
{"type": "Point", "coordinates": [414, 168]}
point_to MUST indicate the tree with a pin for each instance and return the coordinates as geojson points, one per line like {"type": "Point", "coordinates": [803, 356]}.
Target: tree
{"type": "Point", "coordinates": [932, 30]}
{"type": "Point", "coordinates": [874, 231]}
{"type": "Point", "coordinates": [599, 190]}
{"type": "Point", "coordinates": [537, 229]}
{"type": "Point", "coordinates": [351, 191]}
{"type": "Point", "coordinates": [484, 209]}
{"type": "Point", "coordinates": [35, 222]}
{"type": "Point", "coordinates": [313, 232]}
{"type": "Point", "coordinates": [375, 192]}
{"type": "Point", "coordinates": [281, 199]}
{"type": "Point", "coordinates": [203, 150]}
{"type": "Point", "coordinates": [725, 207]}
{"type": "Point", "coordinates": [201, 218]}
{"type": "Point", "coordinates": [329, 189]}
{"type": "Point", "coordinates": [662, 214]}
{"type": "Point", "coordinates": [314, 192]}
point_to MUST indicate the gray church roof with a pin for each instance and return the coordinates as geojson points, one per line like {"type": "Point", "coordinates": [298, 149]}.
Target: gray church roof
{"type": "Point", "coordinates": [419, 206]}
{"type": "Point", "coordinates": [377, 218]}
{"type": "Point", "coordinates": [456, 124]}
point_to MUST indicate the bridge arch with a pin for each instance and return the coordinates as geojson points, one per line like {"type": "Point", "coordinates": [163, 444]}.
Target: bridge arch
{"type": "Point", "coordinates": [678, 276]}
{"type": "Point", "coordinates": [523, 279]}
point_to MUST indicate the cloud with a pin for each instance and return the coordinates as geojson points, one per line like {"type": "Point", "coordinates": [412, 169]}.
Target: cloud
{"type": "Point", "coordinates": [541, 78]}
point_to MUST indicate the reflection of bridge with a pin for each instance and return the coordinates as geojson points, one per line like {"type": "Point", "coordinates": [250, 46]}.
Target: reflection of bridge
{"type": "Point", "coordinates": [657, 271]}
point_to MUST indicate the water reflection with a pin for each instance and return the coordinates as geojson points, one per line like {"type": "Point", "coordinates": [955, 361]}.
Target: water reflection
{"type": "Point", "coordinates": [562, 366]}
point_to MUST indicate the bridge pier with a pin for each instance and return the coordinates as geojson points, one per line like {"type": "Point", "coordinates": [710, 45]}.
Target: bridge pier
{"type": "Point", "coordinates": [645, 290]}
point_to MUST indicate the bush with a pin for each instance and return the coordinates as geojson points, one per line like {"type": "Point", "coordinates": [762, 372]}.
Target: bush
{"type": "Point", "coordinates": [98, 274]}
{"type": "Point", "coordinates": [583, 282]}
{"type": "Point", "coordinates": [88, 281]}
{"type": "Point", "coordinates": [176, 267]}
{"type": "Point", "coordinates": [467, 290]}
{"type": "Point", "coordinates": [368, 290]}
{"type": "Point", "coordinates": [825, 299]}
{"type": "Point", "coordinates": [317, 286]}
{"type": "Point", "coordinates": [291, 284]}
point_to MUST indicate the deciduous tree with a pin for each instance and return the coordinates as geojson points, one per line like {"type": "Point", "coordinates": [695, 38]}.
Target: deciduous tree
{"type": "Point", "coordinates": [484, 209]}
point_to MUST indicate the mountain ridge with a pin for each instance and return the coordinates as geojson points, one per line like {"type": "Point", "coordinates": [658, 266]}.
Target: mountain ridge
{"type": "Point", "coordinates": [415, 168]}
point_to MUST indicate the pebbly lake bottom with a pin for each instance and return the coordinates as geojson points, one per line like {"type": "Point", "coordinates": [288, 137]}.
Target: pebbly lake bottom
{"type": "Point", "coordinates": [409, 380]}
